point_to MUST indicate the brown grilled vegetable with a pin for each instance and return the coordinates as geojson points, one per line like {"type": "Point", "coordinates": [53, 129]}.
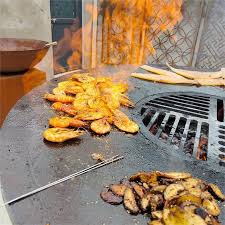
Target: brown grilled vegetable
{"type": "Point", "coordinates": [173, 190]}
{"type": "Point", "coordinates": [140, 191]}
{"type": "Point", "coordinates": [158, 189]}
{"type": "Point", "coordinates": [174, 175]}
{"type": "Point", "coordinates": [149, 178]}
{"type": "Point", "coordinates": [177, 216]}
{"type": "Point", "coordinates": [110, 198]}
{"type": "Point", "coordinates": [145, 202]}
{"type": "Point", "coordinates": [118, 189]}
{"type": "Point", "coordinates": [211, 207]}
{"type": "Point", "coordinates": [130, 202]}
{"type": "Point", "coordinates": [216, 191]}
{"type": "Point", "coordinates": [170, 198]}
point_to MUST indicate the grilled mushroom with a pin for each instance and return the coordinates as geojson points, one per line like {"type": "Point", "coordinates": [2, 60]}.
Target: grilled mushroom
{"type": "Point", "coordinates": [174, 175]}
{"type": "Point", "coordinates": [211, 207]}
{"type": "Point", "coordinates": [173, 190]}
{"type": "Point", "coordinates": [216, 191]}
{"type": "Point", "coordinates": [110, 198]}
{"type": "Point", "coordinates": [118, 189]}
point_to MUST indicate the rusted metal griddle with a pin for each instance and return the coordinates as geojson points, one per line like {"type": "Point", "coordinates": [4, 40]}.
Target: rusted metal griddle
{"type": "Point", "coordinates": [27, 162]}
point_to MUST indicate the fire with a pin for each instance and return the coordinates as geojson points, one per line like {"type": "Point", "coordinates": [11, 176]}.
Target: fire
{"type": "Point", "coordinates": [127, 31]}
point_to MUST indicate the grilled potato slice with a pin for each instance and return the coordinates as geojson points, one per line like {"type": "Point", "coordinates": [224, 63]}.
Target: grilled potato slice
{"type": "Point", "coordinates": [174, 175]}
{"type": "Point", "coordinates": [157, 215]}
{"type": "Point", "coordinates": [140, 191]}
{"type": "Point", "coordinates": [216, 191]}
{"type": "Point", "coordinates": [118, 189]}
{"type": "Point", "coordinates": [211, 207]}
{"type": "Point", "coordinates": [151, 201]}
{"type": "Point", "coordinates": [129, 201]}
{"type": "Point", "coordinates": [173, 190]}
{"type": "Point", "coordinates": [155, 222]}
{"type": "Point", "coordinates": [149, 178]}
{"type": "Point", "coordinates": [110, 198]}
{"type": "Point", "coordinates": [177, 216]}
{"type": "Point", "coordinates": [158, 189]}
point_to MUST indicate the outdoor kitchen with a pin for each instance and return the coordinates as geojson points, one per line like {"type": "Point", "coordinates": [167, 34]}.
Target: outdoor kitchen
{"type": "Point", "coordinates": [112, 112]}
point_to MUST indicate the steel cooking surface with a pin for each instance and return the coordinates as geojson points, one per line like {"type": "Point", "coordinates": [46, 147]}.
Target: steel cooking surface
{"type": "Point", "coordinates": [28, 162]}
{"type": "Point", "coordinates": [190, 122]}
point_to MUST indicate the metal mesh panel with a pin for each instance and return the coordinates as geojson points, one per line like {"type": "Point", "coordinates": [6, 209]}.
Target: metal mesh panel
{"type": "Point", "coordinates": [177, 46]}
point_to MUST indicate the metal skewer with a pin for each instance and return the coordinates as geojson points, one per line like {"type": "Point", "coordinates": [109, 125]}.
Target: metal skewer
{"type": "Point", "coordinates": [98, 165]}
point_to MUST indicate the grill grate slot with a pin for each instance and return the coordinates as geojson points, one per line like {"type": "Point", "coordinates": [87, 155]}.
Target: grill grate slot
{"type": "Point", "coordinates": [220, 110]}
{"type": "Point", "coordinates": [156, 123]}
{"type": "Point", "coordinates": [179, 132]}
{"type": "Point", "coordinates": [178, 99]}
{"type": "Point", "coordinates": [181, 106]}
{"type": "Point", "coordinates": [196, 114]}
{"type": "Point", "coordinates": [184, 121]}
{"type": "Point", "coordinates": [192, 105]}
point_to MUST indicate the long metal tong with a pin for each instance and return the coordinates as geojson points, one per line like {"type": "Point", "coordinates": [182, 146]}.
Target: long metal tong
{"type": "Point", "coordinates": [94, 167]}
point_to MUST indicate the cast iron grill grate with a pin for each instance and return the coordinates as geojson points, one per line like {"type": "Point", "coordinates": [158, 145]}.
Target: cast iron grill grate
{"type": "Point", "coordinates": [190, 122]}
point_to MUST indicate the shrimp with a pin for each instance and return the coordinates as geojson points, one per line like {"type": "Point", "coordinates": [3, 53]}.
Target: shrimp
{"type": "Point", "coordinates": [101, 126]}
{"type": "Point", "coordinates": [81, 101]}
{"type": "Point", "coordinates": [73, 90]}
{"type": "Point", "coordinates": [58, 91]}
{"type": "Point", "coordinates": [121, 87]}
{"type": "Point", "coordinates": [90, 115]}
{"type": "Point", "coordinates": [77, 123]}
{"type": "Point", "coordinates": [122, 122]}
{"type": "Point", "coordinates": [82, 77]}
{"type": "Point", "coordinates": [64, 108]}
{"type": "Point", "coordinates": [68, 83]}
{"type": "Point", "coordinates": [58, 98]}
{"type": "Point", "coordinates": [125, 101]}
{"type": "Point", "coordinates": [61, 134]}
{"type": "Point", "coordinates": [61, 121]}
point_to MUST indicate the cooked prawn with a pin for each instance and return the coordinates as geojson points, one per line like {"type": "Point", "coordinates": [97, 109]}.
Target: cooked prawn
{"type": "Point", "coordinates": [59, 121]}
{"type": "Point", "coordinates": [58, 98]}
{"type": "Point", "coordinates": [58, 91]}
{"type": "Point", "coordinates": [122, 122]}
{"type": "Point", "coordinates": [101, 126]}
{"type": "Point", "coordinates": [90, 115]}
{"type": "Point", "coordinates": [77, 123]}
{"type": "Point", "coordinates": [82, 77]}
{"type": "Point", "coordinates": [125, 101]}
{"type": "Point", "coordinates": [64, 108]}
{"type": "Point", "coordinates": [73, 90]}
{"type": "Point", "coordinates": [61, 134]}
{"type": "Point", "coordinates": [68, 83]}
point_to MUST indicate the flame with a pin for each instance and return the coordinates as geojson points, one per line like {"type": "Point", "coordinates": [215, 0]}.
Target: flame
{"type": "Point", "coordinates": [127, 32]}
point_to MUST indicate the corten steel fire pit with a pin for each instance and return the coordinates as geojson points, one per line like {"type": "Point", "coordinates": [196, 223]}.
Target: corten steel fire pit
{"type": "Point", "coordinates": [28, 162]}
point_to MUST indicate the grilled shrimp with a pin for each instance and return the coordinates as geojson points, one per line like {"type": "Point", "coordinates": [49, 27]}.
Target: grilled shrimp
{"type": "Point", "coordinates": [59, 121]}
{"type": "Point", "coordinates": [122, 122]}
{"type": "Point", "coordinates": [61, 134]}
{"type": "Point", "coordinates": [125, 101]}
{"type": "Point", "coordinates": [77, 123]}
{"type": "Point", "coordinates": [68, 83]}
{"type": "Point", "coordinates": [82, 77]}
{"type": "Point", "coordinates": [63, 122]}
{"type": "Point", "coordinates": [58, 91]}
{"type": "Point", "coordinates": [100, 126]}
{"type": "Point", "coordinates": [58, 98]}
{"type": "Point", "coordinates": [73, 90]}
{"type": "Point", "coordinates": [90, 115]}
{"type": "Point", "coordinates": [64, 108]}
{"type": "Point", "coordinates": [81, 101]}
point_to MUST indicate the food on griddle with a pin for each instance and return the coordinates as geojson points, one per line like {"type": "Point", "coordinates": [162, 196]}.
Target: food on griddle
{"type": "Point", "coordinates": [58, 98]}
{"type": "Point", "coordinates": [111, 198]}
{"type": "Point", "coordinates": [98, 157]}
{"type": "Point", "coordinates": [129, 201]}
{"type": "Point", "coordinates": [196, 74]}
{"type": "Point", "coordinates": [180, 76]}
{"type": "Point", "coordinates": [169, 198]}
{"type": "Point", "coordinates": [85, 101]}
{"type": "Point", "coordinates": [122, 122]}
{"type": "Point", "coordinates": [61, 134]}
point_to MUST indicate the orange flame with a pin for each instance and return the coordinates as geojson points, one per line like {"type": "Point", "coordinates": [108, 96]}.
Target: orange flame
{"type": "Point", "coordinates": [127, 31]}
